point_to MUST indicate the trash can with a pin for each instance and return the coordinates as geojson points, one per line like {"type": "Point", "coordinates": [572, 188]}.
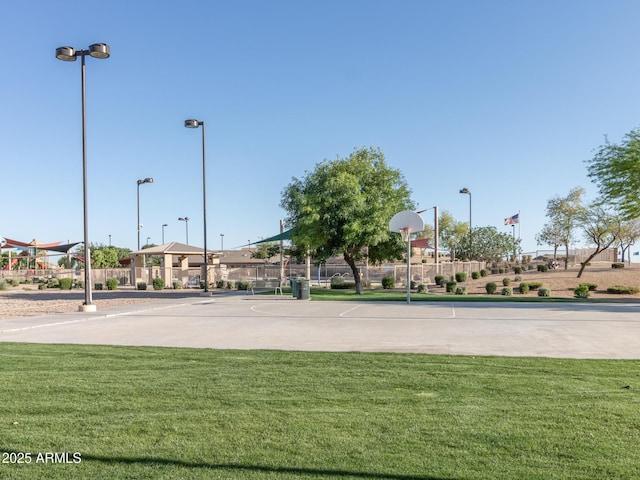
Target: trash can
{"type": "Point", "coordinates": [304, 291]}
{"type": "Point", "coordinates": [294, 287]}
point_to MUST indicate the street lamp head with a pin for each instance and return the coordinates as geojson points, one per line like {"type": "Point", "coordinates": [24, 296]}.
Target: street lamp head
{"type": "Point", "coordinates": [99, 50]}
{"type": "Point", "coordinates": [146, 180]}
{"type": "Point", "coordinates": [192, 123]}
{"type": "Point", "coordinates": [465, 190]}
{"type": "Point", "coordinates": [184, 219]}
{"type": "Point", "coordinates": [66, 54]}
{"type": "Point", "coordinates": [70, 54]}
{"type": "Point", "coordinates": [165, 224]}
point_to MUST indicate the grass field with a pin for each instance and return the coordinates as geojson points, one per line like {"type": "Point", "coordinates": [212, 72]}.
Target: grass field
{"type": "Point", "coordinates": [162, 413]}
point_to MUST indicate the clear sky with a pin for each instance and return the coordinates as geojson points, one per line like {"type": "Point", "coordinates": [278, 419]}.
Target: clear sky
{"type": "Point", "coordinates": [507, 98]}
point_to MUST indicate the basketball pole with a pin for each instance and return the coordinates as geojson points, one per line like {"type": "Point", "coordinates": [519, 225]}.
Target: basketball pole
{"type": "Point", "coordinates": [409, 267]}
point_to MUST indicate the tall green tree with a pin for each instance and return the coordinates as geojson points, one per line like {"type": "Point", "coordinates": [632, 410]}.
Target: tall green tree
{"type": "Point", "coordinates": [564, 214]}
{"type": "Point", "coordinates": [452, 233]}
{"type": "Point", "coordinates": [489, 245]}
{"type": "Point", "coordinates": [344, 206]}
{"type": "Point", "coordinates": [615, 169]}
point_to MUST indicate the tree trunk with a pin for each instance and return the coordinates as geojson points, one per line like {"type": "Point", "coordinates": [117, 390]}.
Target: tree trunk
{"type": "Point", "coordinates": [584, 264]}
{"type": "Point", "coordinates": [566, 257]}
{"type": "Point", "coordinates": [356, 273]}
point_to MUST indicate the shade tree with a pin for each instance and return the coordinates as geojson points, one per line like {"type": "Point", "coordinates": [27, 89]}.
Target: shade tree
{"type": "Point", "coordinates": [343, 207]}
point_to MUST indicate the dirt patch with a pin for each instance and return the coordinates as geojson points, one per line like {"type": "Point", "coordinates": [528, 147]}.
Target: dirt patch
{"type": "Point", "coordinates": [562, 282]}
{"type": "Point", "coordinates": [28, 301]}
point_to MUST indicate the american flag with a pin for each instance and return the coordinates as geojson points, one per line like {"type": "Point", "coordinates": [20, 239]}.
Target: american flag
{"type": "Point", "coordinates": [512, 220]}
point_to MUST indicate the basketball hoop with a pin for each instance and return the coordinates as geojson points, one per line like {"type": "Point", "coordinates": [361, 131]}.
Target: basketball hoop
{"type": "Point", "coordinates": [405, 233]}
{"type": "Point", "coordinates": [404, 223]}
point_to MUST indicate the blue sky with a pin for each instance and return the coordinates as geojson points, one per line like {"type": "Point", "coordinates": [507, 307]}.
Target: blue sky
{"type": "Point", "coordinates": [507, 98]}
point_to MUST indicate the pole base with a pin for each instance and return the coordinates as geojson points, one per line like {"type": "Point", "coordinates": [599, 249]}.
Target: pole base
{"type": "Point", "coordinates": [206, 294]}
{"type": "Point", "coordinates": [87, 308]}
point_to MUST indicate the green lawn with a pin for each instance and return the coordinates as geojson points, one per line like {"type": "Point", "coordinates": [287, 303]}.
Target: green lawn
{"type": "Point", "coordinates": [401, 296]}
{"type": "Point", "coordinates": [164, 413]}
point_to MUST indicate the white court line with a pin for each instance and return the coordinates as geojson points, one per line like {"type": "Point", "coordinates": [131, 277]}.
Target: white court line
{"type": "Point", "coordinates": [89, 319]}
{"type": "Point", "coordinates": [349, 310]}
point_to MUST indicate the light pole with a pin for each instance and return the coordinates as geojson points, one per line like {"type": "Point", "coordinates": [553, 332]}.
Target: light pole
{"type": "Point", "coordinates": [163, 225]}
{"type": "Point", "coordinates": [191, 123]}
{"type": "Point", "coordinates": [109, 239]}
{"type": "Point", "coordinates": [186, 226]}
{"type": "Point", "coordinates": [466, 191]}
{"type": "Point", "coordinates": [141, 182]}
{"type": "Point", "coordinates": [70, 54]}
{"type": "Point", "coordinates": [148, 240]}
{"type": "Point", "coordinates": [222, 242]}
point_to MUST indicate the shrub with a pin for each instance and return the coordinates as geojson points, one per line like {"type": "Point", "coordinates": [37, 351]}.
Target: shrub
{"type": "Point", "coordinates": [451, 286]}
{"type": "Point", "coordinates": [620, 289]}
{"type": "Point", "coordinates": [112, 283]}
{"type": "Point", "coordinates": [338, 283]}
{"type": "Point", "coordinates": [517, 270]}
{"type": "Point", "coordinates": [98, 286]}
{"type": "Point", "coordinates": [231, 285]}
{"type": "Point", "coordinates": [484, 272]}
{"type": "Point", "coordinates": [581, 291]}
{"type": "Point", "coordinates": [422, 288]}
{"type": "Point", "coordinates": [438, 279]}
{"type": "Point", "coordinates": [242, 285]}
{"type": "Point", "coordinates": [461, 290]}
{"type": "Point", "coordinates": [388, 282]}
{"type": "Point", "coordinates": [507, 291]}
{"type": "Point", "coordinates": [3, 285]}
{"type": "Point", "coordinates": [506, 281]}
{"type": "Point", "coordinates": [414, 284]}
{"type": "Point", "coordinates": [141, 285]}
{"type": "Point", "coordinates": [461, 277]}
{"type": "Point", "coordinates": [66, 283]}
{"type": "Point", "coordinates": [42, 286]}
{"type": "Point", "coordinates": [617, 265]}
{"type": "Point", "coordinates": [543, 268]}
{"type": "Point", "coordinates": [475, 275]}
{"type": "Point", "coordinates": [591, 286]}
{"type": "Point", "coordinates": [219, 283]}
{"type": "Point", "coordinates": [534, 285]}
{"type": "Point", "coordinates": [544, 292]}
{"type": "Point", "coordinates": [177, 284]}
{"type": "Point", "coordinates": [79, 283]}
{"type": "Point", "coordinates": [53, 283]}
{"type": "Point", "coordinates": [158, 283]}
{"type": "Point", "coordinates": [491, 287]}
{"type": "Point", "coordinates": [517, 278]}
{"type": "Point", "coordinates": [524, 288]}
{"type": "Point", "coordinates": [495, 271]}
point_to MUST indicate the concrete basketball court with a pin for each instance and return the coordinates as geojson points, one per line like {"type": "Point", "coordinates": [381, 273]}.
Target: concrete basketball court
{"type": "Point", "coordinates": [561, 330]}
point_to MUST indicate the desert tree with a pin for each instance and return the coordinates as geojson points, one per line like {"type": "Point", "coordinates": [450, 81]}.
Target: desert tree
{"type": "Point", "coordinates": [550, 235]}
{"type": "Point", "coordinates": [344, 206]}
{"type": "Point", "coordinates": [564, 214]}
{"type": "Point", "coordinates": [601, 229]}
{"type": "Point", "coordinates": [629, 234]}
{"type": "Point", "coordinates": [615, 169]}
